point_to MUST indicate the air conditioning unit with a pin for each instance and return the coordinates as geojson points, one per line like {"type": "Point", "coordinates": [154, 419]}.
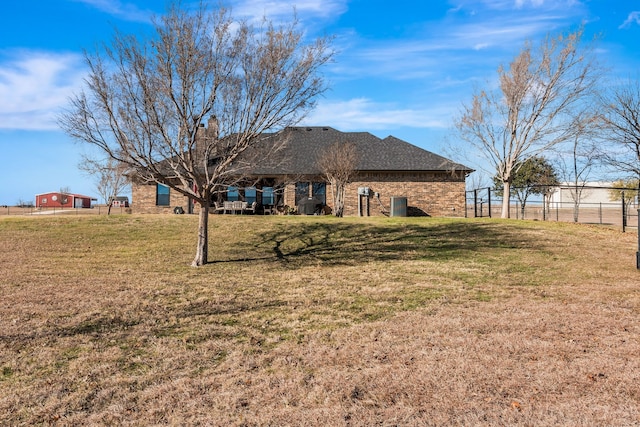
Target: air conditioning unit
{"type": "Point", "coordinates": [398, 206]}
{"type": "Point", "coordinates": [363, 191]}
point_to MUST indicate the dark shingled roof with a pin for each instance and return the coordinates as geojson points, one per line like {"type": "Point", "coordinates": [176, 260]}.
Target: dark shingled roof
{"type": "Point", "coordinates": [305, 145]}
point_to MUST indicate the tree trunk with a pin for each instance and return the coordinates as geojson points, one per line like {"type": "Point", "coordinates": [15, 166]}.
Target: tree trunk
{"type": "Point", "coordinates": [339, 208]}
{"type": "Point", "coordinates": [203, 237]}
{"type": "Point", "coordinates": [505, 200]}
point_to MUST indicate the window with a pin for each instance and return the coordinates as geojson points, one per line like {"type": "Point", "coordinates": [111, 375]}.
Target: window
{"type": "Point", "coordinates": [319, 192]}
{"type": "Point", "coordinates": [250, 195]}
{"type": "Point", "coordinates": [232, 194]}
{"type": "Point", "coordinates": [162, 195]}
{"type": "Point", "coordinates": [268, 196]}
{"type": "Point", "coordinates": [302, 191]}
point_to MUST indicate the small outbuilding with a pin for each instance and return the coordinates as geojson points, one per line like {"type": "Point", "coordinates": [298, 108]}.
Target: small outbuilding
{"type": "Point", "coordinates": [120, 202]}
{"type": "Point", "coordinates": [57, 199]}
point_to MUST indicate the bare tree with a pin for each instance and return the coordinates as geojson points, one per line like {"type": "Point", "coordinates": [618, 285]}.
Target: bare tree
{"type": "Point", "coordinates": [578, 159]}
{"type": "Point", "coordinates": [146, 99]}
{"type": "Point", "coordinates": [23, 203]}
{"type": "Point", "coordinates": [476, 181]}
{"type": "Point", "coordinates": [621, 109]}
{"type": "Point", "coordinates": [63, 196]}
{"type": "Point", "coordinates": [338, 164]}
{"type": "Point", "coordinates": [534, 108]}
{"type": "Point", "coordinates": [110, 175]}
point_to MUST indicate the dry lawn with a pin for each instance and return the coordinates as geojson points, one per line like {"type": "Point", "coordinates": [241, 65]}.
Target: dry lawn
{"type": "Point", "coordinates": [307, 321]}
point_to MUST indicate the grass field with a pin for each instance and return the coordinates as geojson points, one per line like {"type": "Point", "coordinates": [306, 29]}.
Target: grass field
{"type": "Point", "coordinates": [317, 321]}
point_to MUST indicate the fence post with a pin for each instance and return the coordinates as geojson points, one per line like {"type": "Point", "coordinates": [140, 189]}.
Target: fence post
{"type": "Point", "coordinates": [466, 204]}
{"type": "Point", "coordinates": [624, 217]}
{"type": "Point", "coordinates": [638, 252]}
{"type": "Point", "coordinates": [475, 203]}
{"type": "Point", "coordinates": [489, 199]}
{"type": "Point", "coordinates": [600, 213]}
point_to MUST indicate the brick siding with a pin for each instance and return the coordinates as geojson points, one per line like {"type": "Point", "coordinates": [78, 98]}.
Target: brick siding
{"type": "Point", "coordinates": [427, 193]}
{"type": "Point", "coordinates": [144, 200]}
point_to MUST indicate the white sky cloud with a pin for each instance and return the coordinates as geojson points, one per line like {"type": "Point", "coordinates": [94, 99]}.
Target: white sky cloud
{"type": "Point", "coordinates": [364, 113]}
{"type": "Point", "coordinates": [252, 9]}
{"type": "Point", "coordinates": [283, 10]}
{"type": "Point", "coordinates": [494, 34]}
{"type": "Point", "coordinates": [123, 10]}
{"type": "Point", "coordinates": [634, 17]}
{"type": "Point", "coordinates": [519, 4]}
{"type": "Point", "coordinates": [534, 3]}
{"type": "Point", "coordinates": [34, 86]}
{"type": "Point", "coordinates": [443, 51]}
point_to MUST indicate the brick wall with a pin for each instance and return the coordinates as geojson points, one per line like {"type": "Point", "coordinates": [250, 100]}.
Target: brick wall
{"type": "Point", "coordinates": [144, 200]}
{"type": "Point", "coordinates": [427, 193]}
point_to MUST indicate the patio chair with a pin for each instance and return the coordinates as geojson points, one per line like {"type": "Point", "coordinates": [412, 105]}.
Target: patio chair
{"type": "Point", "coordinates": [268, 209]}
{"type": "Point", "coordinates": [251, 208]}
{"type": "Point", "coordinates": [239, 206]}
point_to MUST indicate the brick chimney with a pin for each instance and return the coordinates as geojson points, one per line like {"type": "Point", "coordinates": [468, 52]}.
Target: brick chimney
{"type": "Point", "coordinates": [212, 131]}
{"type": "Point", "coordinates": [201, 143]}
{"type": "Point", "coordinates": [204, 136]}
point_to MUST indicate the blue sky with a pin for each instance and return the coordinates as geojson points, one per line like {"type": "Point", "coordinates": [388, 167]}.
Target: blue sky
{"type": "Point", "coordinates": [403, 68]}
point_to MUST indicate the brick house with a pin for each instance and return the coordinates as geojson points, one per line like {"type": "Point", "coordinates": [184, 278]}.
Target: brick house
{"type": "Point", "coordinates": [388, 169]}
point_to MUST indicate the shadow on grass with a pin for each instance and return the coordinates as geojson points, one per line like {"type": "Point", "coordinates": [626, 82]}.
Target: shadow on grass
{"type": "Point", "coordinates": [94, 327]}
{"type": "Point", "coordinates": [354, 243]}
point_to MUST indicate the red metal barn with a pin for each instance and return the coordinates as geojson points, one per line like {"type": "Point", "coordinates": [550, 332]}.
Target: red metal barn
{"type": "Point", "coordinates": [62, 200]}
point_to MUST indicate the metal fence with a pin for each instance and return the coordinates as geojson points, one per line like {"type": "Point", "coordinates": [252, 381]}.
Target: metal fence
{"type": "Point", "coordinates": [484, 203]}
{"type": "Point", "coordinates": [30, 210]}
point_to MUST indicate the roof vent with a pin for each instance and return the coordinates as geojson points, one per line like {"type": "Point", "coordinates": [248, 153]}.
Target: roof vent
{"type": "Point", "coordinates": [309, 129]}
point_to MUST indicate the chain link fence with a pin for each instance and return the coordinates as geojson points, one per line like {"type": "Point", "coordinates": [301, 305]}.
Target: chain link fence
{"type": "Point", "coordinates": [593, 207]}
{"type": "Point", "coordinates": [32, 210]}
